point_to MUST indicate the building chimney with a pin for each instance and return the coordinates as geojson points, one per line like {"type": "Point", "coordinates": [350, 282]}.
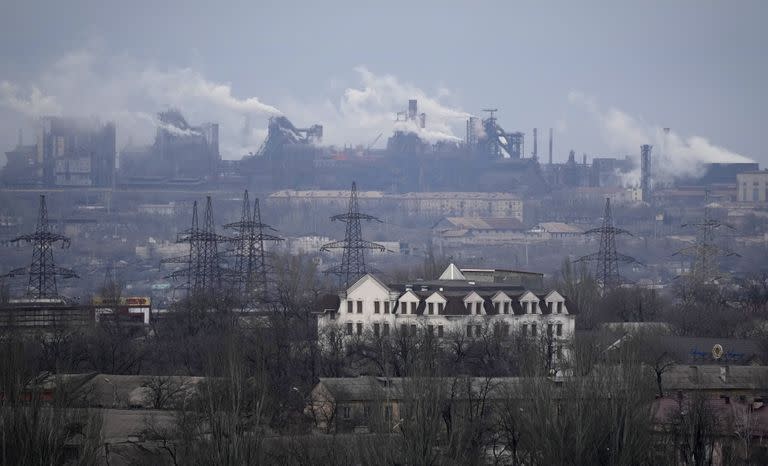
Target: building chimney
{"type": "Point", "coordinates": [550, 146]}
{"type": "Point", "coordinates": [535, 143]}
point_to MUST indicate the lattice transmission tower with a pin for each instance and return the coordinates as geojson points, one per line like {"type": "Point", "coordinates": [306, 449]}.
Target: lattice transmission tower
{"type": "Point", "coordinates": [204, 270]}
{"type": "Point", "coordinates": [251, 265]}
{"type": "Point", "coordinates": [704, 251]}
{"type": "Point", "coordinates": [607, 258]}
{"type": "Point", "coordinates": [43, 272]}
{"type": "Point", "coordinates": [353, 247]}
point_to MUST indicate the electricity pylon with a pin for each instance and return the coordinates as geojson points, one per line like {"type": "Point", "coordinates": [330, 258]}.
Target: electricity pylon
{"type": "Point", "coordinates": [353, 247]}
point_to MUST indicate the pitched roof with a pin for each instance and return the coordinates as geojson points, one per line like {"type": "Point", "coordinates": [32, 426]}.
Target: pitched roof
{"type": "Point", "coordinates": [483, 223]}
{"type": "Point", "coordinates": [452, 273]}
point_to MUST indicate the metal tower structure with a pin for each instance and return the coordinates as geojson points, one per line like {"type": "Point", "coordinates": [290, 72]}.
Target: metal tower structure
{"type": "Point", "coordinates": [42, 272]}
{"type": "Point", "coordinates": [352, 265]}
{"type": "Point", "coordinates": [607, 258]}
{"type": "Point", "coordinates": [251, 267]}
{"type": "Point", "coordinates": [204, 270]}
{"type": "Point", "coordinates": [704, 251]}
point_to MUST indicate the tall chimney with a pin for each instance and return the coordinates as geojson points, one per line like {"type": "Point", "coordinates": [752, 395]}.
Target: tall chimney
{"type": "Point", "coordinates": [535, 143]}
{"type": "Point", "coordinates": [413, 109]}
{"type": "Point", "coordinates": [550, 146]}
{"type": "Point", "coordinates": [645, 171]}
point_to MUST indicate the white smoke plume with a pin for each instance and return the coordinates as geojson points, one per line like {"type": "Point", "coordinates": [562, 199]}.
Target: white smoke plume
{"type": "Point", "coordinates": [674, 157]}
{"type": "Point", "coordinates": [87, 83]}
{"type": "Point", "coordinates": [369, 108]}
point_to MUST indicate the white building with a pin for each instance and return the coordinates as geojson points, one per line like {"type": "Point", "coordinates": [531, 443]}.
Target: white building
{"type": "Point", "coordinates": [449, 307]}
{"type": "Point", "coordinates": [753, 186]}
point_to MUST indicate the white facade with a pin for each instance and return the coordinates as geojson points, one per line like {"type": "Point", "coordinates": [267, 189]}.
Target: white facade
{"type": "Point", "coordinates": [463, 309]}
{"type": "Point", "coordinates": [753, 186]}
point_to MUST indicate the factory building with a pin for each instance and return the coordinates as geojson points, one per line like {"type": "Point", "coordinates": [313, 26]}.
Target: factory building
{"type": "Point", "coordinates": [68, 152]}
{"type": "Point", "coordinates": [752, 186]}
{"type": "Point", "coordinates": [181, 153]}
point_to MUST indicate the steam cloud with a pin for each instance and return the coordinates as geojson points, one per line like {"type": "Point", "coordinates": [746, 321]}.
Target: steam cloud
{"type": "Point", "coordinates": [681, 157]}
{"type": "Point", "coordinates": [87, 83]}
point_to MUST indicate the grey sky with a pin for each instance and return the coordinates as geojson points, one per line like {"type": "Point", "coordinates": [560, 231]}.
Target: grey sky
{"type": "Point", "coordinates": [697, 66]}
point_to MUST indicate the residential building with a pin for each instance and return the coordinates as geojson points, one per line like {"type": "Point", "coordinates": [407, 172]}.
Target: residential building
{"type": "Point", "coordinates": [450, 306]}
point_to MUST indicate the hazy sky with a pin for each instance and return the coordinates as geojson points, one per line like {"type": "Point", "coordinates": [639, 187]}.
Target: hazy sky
{"type": "Point", "coordinates": [607, 75]}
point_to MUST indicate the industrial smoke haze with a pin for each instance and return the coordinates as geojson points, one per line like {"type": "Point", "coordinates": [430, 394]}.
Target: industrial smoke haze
{"type": "Point", "coordinates": [674, 156]}
{"type": "Point", "coordinates": [88, 83]}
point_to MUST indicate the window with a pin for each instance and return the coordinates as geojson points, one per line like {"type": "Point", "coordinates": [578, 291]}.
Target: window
{"type": "Point", "coordinates": [534, 330]}
{"type": "Point", "coordinates": [477, 330]}
{"type": "Point", "coordinates": [506, 307]}
{"type": "Point", "coordinates": [413, 307]}
{"type": "Point", "coordinates": [386, 307]}
{"type": "Point", "coordinates": [359, 328]}
{"type": "Point", "coordinates": [347, 412]}
{"type": "Point", "coordinates": [440, 307]}
{"type": "Point", "coordinates": [496, 306]}
{"type": "Point", "coordinates": [431, 330]}
{"type": "Point", "coordinates": [525, 330]}
{"type": "Point", "coordinates": [439, 330]}
{"type": "Point", "coordinates": [469, 308]}
{"type": "Point", "coordinates": [526, 307]}
{"type": "Point", "coordinates": [413, 329]}
{"type": "Point", "coordinates": [559, 352]}
{"type": "Point", "coordinates": [559, 330]}
{"type": "Point", "coordinates": [376, 329]}
{"type": "Point", "coordinates": [478, 307]}
{"type": "Point", "coordinates": [367, 411]}
{"type": "Point", "coordinates": [349, 306]}
{"type": "Point", "coordinates": [550, 328]}
{"type": "Point", "coordinates": [359, 307]}
{"type": "Point", "coordinates": [376, 305]}
{"type": "Point", "coordinates": [404, 329]}
{"type": "Point", "coordinates": [388, 413]}
{"type": "Point", "coordinates": [349, 328]}
{"type": "Point", "coordinates": [506, 330]}
{"type": "Point", "coordinates": [559, 307]}
{"type": "Point", "coordinates": [469, 330]}
{"type": "Point", "coordinates": [385, 330]}
{"type": "Point", "coordinates": [404, 306]}
{"type": "Point", "coordinates": [431, 308]}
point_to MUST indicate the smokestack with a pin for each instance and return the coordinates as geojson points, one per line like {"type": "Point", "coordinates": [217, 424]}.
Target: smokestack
{"type": "Point", "coordinates": [423, 120]}
{"type": "Point", "coordinates": [412, 109]}
{"type": "Point", "coordinates": [550, 146]}
{"type": "Point", "coordinates": [535, 143]}
{"type": "Point", "coordinates": [645, 172]}
{"type": "Point", "coordinates": [584, 159]}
